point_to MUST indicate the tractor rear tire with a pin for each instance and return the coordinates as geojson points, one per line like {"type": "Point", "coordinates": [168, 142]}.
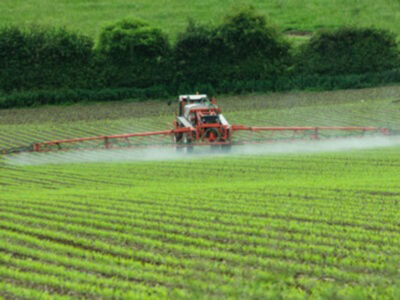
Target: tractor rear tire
{"type": "Point", "coordinates": [188, 143]}
{"type": "Point", "coordinates": [178, 138]}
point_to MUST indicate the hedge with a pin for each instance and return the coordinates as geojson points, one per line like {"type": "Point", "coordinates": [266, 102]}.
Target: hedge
{"type": "Point", "coordinates": [299, 82]}
{"type": "Point", "coordinates": [68, 96]}
{"type": "Point", "coordinates": [134, 54]}
{"type": "Point", "coordinates": [244, 53]}
{"type": "Point", "coordinates": [243, 47]}
{"type": "Point", "coordinates": [42, 57]}
{"type": "Point", "coordinates": [349, 51]}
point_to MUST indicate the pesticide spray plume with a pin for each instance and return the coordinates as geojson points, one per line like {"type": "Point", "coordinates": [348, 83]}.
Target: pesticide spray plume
{"type": "Point", "coordinates": [170, 153]}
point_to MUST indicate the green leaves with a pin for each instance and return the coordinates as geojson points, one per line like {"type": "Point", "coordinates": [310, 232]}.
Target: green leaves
{"type": "Point", "coordinates": [134, 54]}
{"type": "Point", "coordinates": [349, 51]}
{"type": "Point", "coordinates": [243, 48]}
{"type": "Point", "coordinates": [132, 40]}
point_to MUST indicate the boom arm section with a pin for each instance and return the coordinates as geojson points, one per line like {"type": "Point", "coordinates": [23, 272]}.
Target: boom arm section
{"type": "Point", "coordinates": [314, 130]}
{"type": "Point", "coordinates": [107, 141]}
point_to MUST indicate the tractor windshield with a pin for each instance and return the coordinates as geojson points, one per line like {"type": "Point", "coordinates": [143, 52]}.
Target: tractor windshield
{"type": "Point", "coordinates": [204, 100]}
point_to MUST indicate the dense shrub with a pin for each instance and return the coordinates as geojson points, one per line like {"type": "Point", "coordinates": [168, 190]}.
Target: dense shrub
{"type": "Point", "coordinates": [134, 54]}
{"type": "Point", "coordinates": [197, 58]}
{"type": "Point", "coordinates": [42, 57]}
{"type": "Point", "coordinates": [349, 51]}
{"type": "Point", "coordinates": [242, 48]}
{"type": "Point", "coordinates": [65, 96]}
{"type": "Point", "coordinates": [253, 49]}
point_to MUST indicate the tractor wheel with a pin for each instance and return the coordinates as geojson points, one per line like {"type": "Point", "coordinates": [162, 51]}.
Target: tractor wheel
{"type": "Point", "coordinates": [188, 142]}
{"type": "Point", "coordinates": [178, 138]}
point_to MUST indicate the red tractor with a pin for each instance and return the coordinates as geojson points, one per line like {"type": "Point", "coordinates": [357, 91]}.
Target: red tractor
{"type": "Point", "coordinates": [200, 120]}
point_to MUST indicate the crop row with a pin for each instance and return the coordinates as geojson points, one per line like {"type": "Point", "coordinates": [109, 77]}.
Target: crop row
{"type": "Point", "coordinates": [248, 205]}
{"type": "Point", "coordinates": [163, 241]}
{"type": "Point", "coordinates": [246, 213]}
{"type": "Point", "coordinates": [258, 266]}
{"type": "Point", "coordinates": [206, 225]}
{"type": "Point", "coordinates": [17, 135]}
{"type": "Point", "coordinates": [177, 172]}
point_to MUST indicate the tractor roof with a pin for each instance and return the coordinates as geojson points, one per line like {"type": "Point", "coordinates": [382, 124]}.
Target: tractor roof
{"type": "Point", "coordinates": [192, 97]}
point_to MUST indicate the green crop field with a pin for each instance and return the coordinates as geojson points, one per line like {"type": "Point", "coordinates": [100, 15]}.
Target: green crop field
{"type": "Point", "coordinates": [296, 226]}
{"type": "Point", "coordinates": [296, 16]}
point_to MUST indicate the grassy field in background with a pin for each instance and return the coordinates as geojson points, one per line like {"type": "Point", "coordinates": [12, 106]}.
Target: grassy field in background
{"type": "Point", "coordinates": [299, 226]}
{"type": "Point", "coordinates": [88, 16]}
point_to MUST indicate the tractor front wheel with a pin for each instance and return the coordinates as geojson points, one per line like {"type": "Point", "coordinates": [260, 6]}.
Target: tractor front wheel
{"type": "Point", "coordinates": [178, 138]}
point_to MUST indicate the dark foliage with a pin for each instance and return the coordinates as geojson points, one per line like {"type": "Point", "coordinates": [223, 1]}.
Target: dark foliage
{"type": "Point", "coordinates": [253, 49]}
{"type": "Point", "coordinates": [242, 48]}
{"type": "Point", "coordinates": [197, 56]}
{"type": "Point", "coordinates": [134, 55]}
{"type": "Point", "coordinates": [349, 51]}
{"type": "Point", "coordinates": [133, 60]}
{"type": "Point", "coordinates": [43, 58]}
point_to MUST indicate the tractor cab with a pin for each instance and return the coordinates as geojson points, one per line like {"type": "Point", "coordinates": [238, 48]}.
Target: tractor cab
{"type": "Point", "coordinates": [199, 119]}
{"type": "Point", "coordinates": [188, 102]}
{"type": "Point", "coordinates": [198, 109]}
